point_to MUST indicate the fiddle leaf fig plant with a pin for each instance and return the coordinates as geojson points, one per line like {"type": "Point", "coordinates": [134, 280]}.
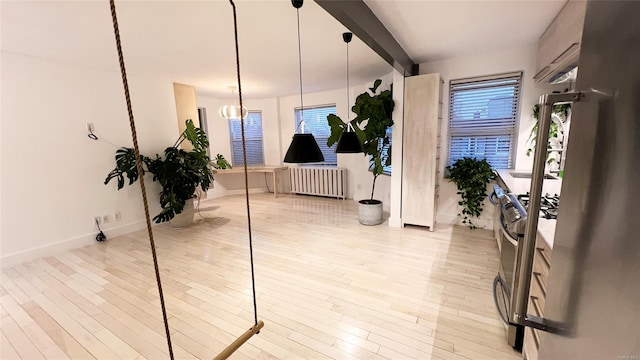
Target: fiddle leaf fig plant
{"type": "Point", "coordinates": [179, 172]}
{"type": "Point", "coordinates": [471, 177]}
{"type": "Point", "coordinates": [373, 117]}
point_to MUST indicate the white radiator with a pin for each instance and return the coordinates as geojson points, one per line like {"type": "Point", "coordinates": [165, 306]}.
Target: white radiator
{"type": "Point", "coordinates": [331, 182]}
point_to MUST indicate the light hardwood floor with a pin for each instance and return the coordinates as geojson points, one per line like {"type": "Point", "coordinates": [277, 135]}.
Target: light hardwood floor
{"type": "Point", "coordinates": [327, 287]}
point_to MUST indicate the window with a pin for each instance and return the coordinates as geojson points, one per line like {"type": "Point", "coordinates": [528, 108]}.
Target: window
{"type": "Point", "coordinates": [315, 119]}
{"type": "Point", "coordinates": [483, 115]}
{"type": "Point", "coordinates": [202, 121]}
{"type": "Point", "coordinates": [252, 136]}
{"type": "Point", "coordinates": [386, 169]}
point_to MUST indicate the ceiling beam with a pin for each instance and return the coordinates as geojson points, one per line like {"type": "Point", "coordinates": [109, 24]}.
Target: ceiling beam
{"type": "Point", "coordinates": [357, 17]}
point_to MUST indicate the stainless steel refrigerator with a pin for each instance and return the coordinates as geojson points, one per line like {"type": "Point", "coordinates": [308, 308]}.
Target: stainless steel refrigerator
{"type": "Point", "coordinates": [592, 308]}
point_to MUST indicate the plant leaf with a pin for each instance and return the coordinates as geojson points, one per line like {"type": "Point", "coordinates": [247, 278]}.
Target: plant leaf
{"type": "Point", "coordinates": [337, 128]}
{"type": "Point", "coordinates": [195, 136]}
{"type": "Point", "coordinates": [125, 165]}
{"type": "Point", "coordinates": [375, 85]}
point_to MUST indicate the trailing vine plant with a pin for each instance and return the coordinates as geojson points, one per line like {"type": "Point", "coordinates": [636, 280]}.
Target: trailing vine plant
{"type": "Point", "coordinates": [561, 111]}
{"type": "Point", "coordinates": [471, 176]}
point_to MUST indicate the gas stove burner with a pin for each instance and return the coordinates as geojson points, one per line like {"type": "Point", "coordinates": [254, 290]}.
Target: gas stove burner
{"type": "Point", "coordinates": [548, 204]}
{"type": "Point", "coordinates": [549, 214]}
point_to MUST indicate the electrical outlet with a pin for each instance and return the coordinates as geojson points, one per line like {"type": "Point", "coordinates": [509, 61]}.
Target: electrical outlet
{"type": "Point", "coordinates": [117, 216]}
{"type": "Point", "coordinates": [97, 219]}
{"type": "Point", "coordinates": [106, 219]}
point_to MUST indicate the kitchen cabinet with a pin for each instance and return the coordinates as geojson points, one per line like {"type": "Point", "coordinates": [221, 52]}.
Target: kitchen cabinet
{"type": "Point", "coordinates": [559, 45]}
{"type": "Point", "coordinates": [421, 149]}
{"type": "Point", "coordinates": [537, 296]}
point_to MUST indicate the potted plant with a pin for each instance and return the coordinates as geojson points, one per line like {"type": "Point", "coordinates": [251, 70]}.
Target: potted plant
{"type": "Point", "coordinates": [471, 176]}
{"type": "Point", "coordinates": [373, 117]}
{"type": "Point", "coordinates": [557, 133]}
{"type": "Point", "coordinates": [179, 172]}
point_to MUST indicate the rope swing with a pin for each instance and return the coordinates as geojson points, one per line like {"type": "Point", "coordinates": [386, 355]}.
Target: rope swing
{"type": "Point", "coordinates": [258, 324]}
{"type": "Point", "coordinates": [136, 150]}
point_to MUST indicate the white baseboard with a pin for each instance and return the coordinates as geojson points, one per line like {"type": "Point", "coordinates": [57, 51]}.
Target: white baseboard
{"type": "Point", "coordinates": [20, 257]}
{"type": "Point", "coordinates": [395, 222]}
{"type": "Point", "coordinates": [66, 245]}
{"type": "Point", "coordinates": [449, 219]}
{"type": "Point", "coordinates": [219, 194]}
{"type": "Point", "coordinates": [454, 219]}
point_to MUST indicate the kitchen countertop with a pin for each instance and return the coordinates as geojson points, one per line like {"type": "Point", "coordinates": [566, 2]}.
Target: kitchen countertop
{"type": "Point", "coordinates": [546, 227]}
{"type": "Point", "coordinates": [547, 230]}
{"type": "Point", "coordinates": [521, 185]}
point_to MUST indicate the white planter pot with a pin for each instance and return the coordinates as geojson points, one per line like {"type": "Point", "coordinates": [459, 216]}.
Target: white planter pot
{"type": "Point", "coordinates": [185, 218]}
{"type": "Point", "coordinates": [370, 212]}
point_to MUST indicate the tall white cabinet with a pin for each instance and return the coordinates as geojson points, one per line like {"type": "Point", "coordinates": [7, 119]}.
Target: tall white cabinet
{"type": "Point", "coordinates": [421, 149]}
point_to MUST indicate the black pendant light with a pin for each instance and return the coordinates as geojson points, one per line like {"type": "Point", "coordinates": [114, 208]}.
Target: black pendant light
{"type": "Point", "coordinates": [348, 142]}
{"type": "Point", "coordinates": [303, 148]}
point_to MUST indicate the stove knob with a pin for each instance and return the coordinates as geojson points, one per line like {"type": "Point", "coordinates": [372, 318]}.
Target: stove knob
{"type": "Point", "coordinates": [514, 213]}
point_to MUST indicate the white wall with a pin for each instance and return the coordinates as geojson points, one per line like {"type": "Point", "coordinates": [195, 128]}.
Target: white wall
{"type": "Point", "coordinates": [359, 177]}
{"type": "Point", "coordinates": [52, 174]}
{"type": "Point", "coordinates": [278, 129]}
{"type": "Point", "coordinates": [395, 201]}
{"type": "Point", "coordinates": [219, 143]}
{"type": "Point", "coordinates": [288, 104]}
{"type": "Point", "coordinates": [518, 59]}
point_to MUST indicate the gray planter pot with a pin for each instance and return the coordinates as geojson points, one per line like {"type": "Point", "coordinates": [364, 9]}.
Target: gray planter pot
{"type": "Point", "coordinates": [185, 218]}
{"type": "Point", "coordinates": [370, 212]}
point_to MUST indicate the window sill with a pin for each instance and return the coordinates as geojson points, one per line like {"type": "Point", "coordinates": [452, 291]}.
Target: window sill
{"type": "Point", "coordinates": [318, 165]}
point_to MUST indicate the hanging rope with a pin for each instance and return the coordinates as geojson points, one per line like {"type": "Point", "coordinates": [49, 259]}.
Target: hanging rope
{"type": "Point", "coordinates": [244, 155]}
{"type": "Point", "coordinates": [257, 324]}
{"type": "Point", "coordinates": [134, 136]}
{"type": "Point", "coordinates": [255, 329]}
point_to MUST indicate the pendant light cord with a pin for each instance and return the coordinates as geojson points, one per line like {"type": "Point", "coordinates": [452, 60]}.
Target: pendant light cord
{"type": "Point", "coordinates": [348, 100]}
{"type": "Point", "coordinates": [347, 39]}
{"type": "Point", "coordinates": [244, 156]}
{"type": "Point", "coordinates": [348, 107]}
{"type": "Point", "coordinates": [134, 136]}
{"type": "Point", "coordinates": [300, 67]}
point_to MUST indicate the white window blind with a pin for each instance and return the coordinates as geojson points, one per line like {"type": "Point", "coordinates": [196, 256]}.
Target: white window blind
{"type": "Point", "coordinates": [385, 151]}
{"type": "Point", "coordinates": [483, 118]}
{"type": "Point", "coordinates": [202, 121]}
{"type": "Point", "coordinates": [252, 136]}
{"type": "Point", "coordinates": [315, 119]}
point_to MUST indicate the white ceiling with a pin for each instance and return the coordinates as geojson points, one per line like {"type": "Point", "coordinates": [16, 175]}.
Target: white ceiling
{"type": "Point", "coordinates": [434, 30]}
{"type": "Point", "coordinates": [191, 42]}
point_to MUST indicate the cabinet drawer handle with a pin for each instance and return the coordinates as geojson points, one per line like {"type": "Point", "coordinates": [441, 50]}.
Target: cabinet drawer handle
{"type": "Point", "coordinates": [536, 335]}
{"type": "Point", "coordinates": [565, 52]}
{"type": "Point", "coordinates": [538, 278]}
{"type": "Point", "coordinates": [543, 255]}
